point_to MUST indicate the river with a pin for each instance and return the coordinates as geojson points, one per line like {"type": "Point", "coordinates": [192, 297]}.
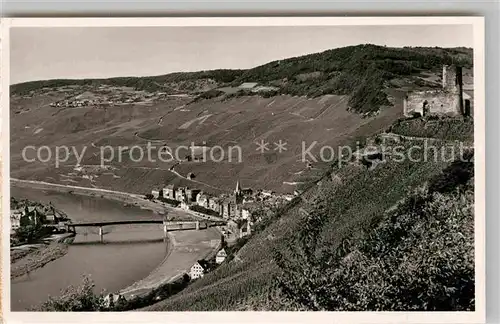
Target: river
{"type": "Point", "coordinates": [128, 254]}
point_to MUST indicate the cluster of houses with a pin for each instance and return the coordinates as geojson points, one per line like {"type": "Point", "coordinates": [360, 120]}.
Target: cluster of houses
{"type": "Point", "coordinates": [34, 215]}
{"type": "Point", "coordinates": [236, 208]}
{"type": "Point", "coordinates": [99, 98]}
{"type": "Point", "coordinates": [227, 206]}
{"type": "Point", "coordinates": [248, 87]}
{"type": "Point", "coordinates": [78, 103]}
{"type": "Point", "coordinates": [255, 87]}
{"type": "Point", "coordinates": [92, 102]}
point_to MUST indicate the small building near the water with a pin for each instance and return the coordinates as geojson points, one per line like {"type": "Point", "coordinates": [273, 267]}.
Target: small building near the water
{"type": "Point", "coordinates": [15, 218]}
{"type": "Point", "coordinates": [155, 193]}
{"type": "Point", "coordinates": [169, 192]}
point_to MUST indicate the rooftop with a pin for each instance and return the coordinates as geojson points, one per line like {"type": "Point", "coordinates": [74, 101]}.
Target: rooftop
{"type": "Point", "coordinates": [247, 85]}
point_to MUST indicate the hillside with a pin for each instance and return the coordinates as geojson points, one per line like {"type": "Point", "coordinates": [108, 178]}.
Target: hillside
{"type": "Point", "coordinates": [333, 98]}
{"type": "Point", "coordinates": [395, 237]}
{"type": "Point", "coordinates": [374, 218]}
{"type": "Point", "coordinates": [241, 121]}
{"type": "Point", "coordinates": [362, 72]}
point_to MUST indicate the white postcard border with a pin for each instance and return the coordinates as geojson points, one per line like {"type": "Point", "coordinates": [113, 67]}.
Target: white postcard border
{"type": "Point", "coordinates": [261, 317]}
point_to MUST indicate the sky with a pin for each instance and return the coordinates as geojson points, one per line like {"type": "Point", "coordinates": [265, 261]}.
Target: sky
{"type": "Point", "coordinates": [100, 52]}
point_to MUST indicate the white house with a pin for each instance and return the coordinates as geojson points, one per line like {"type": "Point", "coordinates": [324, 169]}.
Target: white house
{"type": "Point", "coordinates": [50, 216]}
{"type": "Point", "coordinates": [221, 256]}
{"type": "Point", "coordinates": [267, 193]}
{"type": "Point", "coordinates": [155, 193]}
{"type": "Point", "coordinates": [169, 192]}
{"type": "Point", "coordinates": [184, 205]}
{"type": "Point", "coordinates": [111, 300]}
{"type": "Point", "coordinates": [245, 229]}
{"type": "Point", "coordinates": [247, 85]}
{"type": "Point", "coordinates": [245, 213]}
{"type": "Point", "coordinates": [15, 219]}
{"type": "Point", "coordinates": [203, 200]}
{"type": "Point", "coordinates": [197, 271]}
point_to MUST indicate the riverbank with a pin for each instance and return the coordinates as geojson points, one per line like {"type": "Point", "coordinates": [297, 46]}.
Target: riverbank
{"type": "Point", "coordinates": [128, 199]}
{"type": "Point", "coordinates": [128, 254]}
{"type": "Point", "coordinates": [29, 257]}
{"type": "Point", "coordinates": [113, 270]}
{"type": "Point", "coordinates": [185, 248]}
{"type": "Point", "coordinates": [125, 197]}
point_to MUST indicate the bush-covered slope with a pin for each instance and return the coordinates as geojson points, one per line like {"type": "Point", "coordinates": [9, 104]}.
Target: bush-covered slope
{"type": "Point", "coordinates": [420, 256]}
{"type": "Point", "coordinates": [445, 128]}
{"type": "Point", "coordinates": [362, 72]}
{"type": "Point", "coordinates": [373, 217]}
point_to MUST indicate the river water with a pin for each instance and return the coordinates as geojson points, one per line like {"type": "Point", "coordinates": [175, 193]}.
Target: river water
{"type": "Point", "coordinates": [129, 252]}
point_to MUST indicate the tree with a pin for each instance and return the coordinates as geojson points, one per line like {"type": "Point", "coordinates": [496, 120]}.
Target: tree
{"type": "Point", "coordinates": [26, 233]}
{"type": "Point", "coordinates": [75, 299]}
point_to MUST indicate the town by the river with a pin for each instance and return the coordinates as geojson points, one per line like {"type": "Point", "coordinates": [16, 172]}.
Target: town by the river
{"type": "Point", "coordinates": [131, 252]}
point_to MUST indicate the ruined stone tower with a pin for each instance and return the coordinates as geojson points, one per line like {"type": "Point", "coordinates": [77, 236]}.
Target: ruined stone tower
{"type": "Point", "coordinates": [453, 84]}
{"type": "Point", "coordinates": [446, 101]}
{"type": "Point", "coordinates": [450, 78]}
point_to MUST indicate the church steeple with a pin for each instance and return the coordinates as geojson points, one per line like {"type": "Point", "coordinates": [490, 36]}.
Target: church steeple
{"type": "Point", "coordinates": [238, 195]}
{"type": "Point", "coordinates": [238, 189]}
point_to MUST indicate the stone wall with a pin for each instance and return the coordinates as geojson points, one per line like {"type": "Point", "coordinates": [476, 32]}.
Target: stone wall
{"type": "Point", "coordinates": [434, 102]}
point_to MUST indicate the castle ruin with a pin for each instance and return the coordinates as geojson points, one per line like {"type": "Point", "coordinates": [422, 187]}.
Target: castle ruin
{"type": "Point", "coordinates": [448, 101]}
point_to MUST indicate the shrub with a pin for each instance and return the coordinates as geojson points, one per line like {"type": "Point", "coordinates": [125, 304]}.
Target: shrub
{"type": "Point", "coordinates": [435, 127]}
{"type": "Point", "coordinates": [455, 175]}
{"type": "Point", "coordinates": [214, 93]}
{"type": "Point", "coordinates": [75, 299]}
{"type": "Point", "coordinates": [419, 257]}
{"type": "Point", "coordinates": [203, 210]}
{"type": "Point", "coordinates": [169, 201]}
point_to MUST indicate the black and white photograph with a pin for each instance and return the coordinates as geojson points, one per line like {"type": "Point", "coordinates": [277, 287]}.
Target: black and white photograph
{"type": "Point", "coordinates": [257, 166]}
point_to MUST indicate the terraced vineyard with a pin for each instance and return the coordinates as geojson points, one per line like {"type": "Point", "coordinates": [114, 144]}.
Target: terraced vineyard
{"type": "Point", "coordinates": [345, 208]}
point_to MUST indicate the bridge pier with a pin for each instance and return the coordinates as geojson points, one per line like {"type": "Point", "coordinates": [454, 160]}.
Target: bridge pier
{"type": "Point", "coordinates": [101, 235]}
{"type": "Point", "coordinates": [165, 230]}
{"type": "Point", "coordinates": [197, 225]}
